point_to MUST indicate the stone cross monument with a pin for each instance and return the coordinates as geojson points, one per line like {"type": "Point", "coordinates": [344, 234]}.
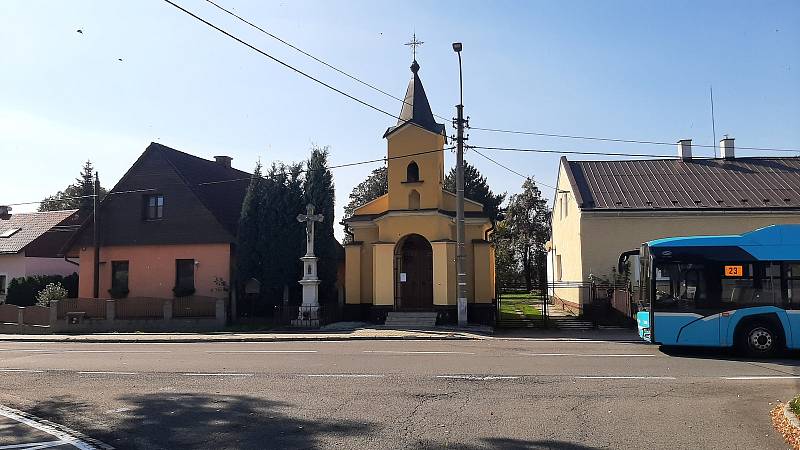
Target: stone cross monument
{"type": "Point", "coordinates": [309, 310]}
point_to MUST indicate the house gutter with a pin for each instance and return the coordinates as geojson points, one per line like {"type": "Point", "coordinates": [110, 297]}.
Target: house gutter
{"type": "Point", "coordinates": [66, 258]}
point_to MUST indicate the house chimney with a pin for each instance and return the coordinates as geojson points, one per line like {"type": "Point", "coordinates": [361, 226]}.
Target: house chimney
{"type": "Point", "coordinates": [685, 149]}
{"type": "Point", "coordinates": [224, 160]}
{"type": "Point", "coordinates": [726, 148]}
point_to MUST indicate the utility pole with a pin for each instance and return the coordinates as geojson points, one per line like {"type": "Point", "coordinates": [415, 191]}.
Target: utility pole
{"type": "Point", "coordinates": [95, 239]}
{"type": "Point", "coordinates": [461, 274]}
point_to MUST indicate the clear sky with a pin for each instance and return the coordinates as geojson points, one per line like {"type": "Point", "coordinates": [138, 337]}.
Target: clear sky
{"type": "Point", "coordinates": [622, 69]}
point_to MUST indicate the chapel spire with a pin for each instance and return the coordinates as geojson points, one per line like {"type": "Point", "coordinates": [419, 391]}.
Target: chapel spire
{"type": "Point", "coordinates": [416, 109]}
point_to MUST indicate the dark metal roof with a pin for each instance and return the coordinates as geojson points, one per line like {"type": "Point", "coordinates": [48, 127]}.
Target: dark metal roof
{"type": "Point", "coordinates": [416, 109]}
{"type": "Point", "coordinates": [697, 184]}
{"type": "Point", "coordinates": [220, 188]}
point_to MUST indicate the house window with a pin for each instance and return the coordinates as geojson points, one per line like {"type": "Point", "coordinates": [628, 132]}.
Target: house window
{"type": "Point", "coordinates": [153, 207]}
{"type": "Point", "coordinates": [3, 284]}
{"type": "Point", "coordinates": [413, 199]}
{"type": "Point", "coordinates": [566, 205]}
{"type": "Point", "coordinates": [558, 267]}
{"type": "Point", "coordinates": [184, 274]}
{"type": "Point", "coordinates": [119, 276]}
{"type": "Point", "coordinates": [412, 172]}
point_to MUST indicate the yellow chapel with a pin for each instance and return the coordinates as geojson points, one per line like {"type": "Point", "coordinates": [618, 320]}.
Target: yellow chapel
{"type": "Point", "coordinates": [403, 248]}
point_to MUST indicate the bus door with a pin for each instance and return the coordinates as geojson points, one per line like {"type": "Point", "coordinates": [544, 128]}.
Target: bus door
{"type": "Point", "coordinates": [683, 313]}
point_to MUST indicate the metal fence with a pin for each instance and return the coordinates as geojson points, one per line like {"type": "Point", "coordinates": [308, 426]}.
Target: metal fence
{"type": "Point", "coordinates": [94, 308]}
{"type": "Point", "coordinates": [305, 316]}
{"type": "Point", "coordinates": [139, 308]}
{"type": "Point", "coordinates": [194, 307]}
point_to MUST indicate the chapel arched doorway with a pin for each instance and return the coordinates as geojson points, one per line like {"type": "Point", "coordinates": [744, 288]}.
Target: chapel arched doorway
{"type": "Point", "coordinates": [413, 274]}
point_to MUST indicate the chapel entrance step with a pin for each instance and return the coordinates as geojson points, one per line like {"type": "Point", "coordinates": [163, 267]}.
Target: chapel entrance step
{"type": "Point", "coordinates": [411, 319]}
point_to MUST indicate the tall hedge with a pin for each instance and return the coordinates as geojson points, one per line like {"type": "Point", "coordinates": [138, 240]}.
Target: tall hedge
{"type": "Point", "coordinates": [22, 291]}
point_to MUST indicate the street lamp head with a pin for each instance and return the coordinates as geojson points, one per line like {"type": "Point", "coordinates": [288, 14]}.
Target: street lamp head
{"type": "Point", "coordinates": [457, 47]}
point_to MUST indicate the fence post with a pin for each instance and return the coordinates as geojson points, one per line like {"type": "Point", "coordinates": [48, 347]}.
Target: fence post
{"type": "Point", "coordinates": [53, 312]}
{"type": "Point", "coordinates": [111, 309]}
{"type": "Point", "coordinates": [219, 311]}
{"type": "Point", "coordinates": [167, 305]}
{"type": "Point", "coordinates": [20, 316]}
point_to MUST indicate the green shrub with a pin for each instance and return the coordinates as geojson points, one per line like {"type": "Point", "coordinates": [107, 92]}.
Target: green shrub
{"type": "Point", "coordinates": [794, 405]}
{"type": "Point", "coordinates": [22, 291]}
{"type": "Point", "coordinates": [53, 291]}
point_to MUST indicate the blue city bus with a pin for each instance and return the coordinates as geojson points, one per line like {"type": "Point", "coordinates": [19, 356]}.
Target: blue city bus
{"type": "Point", "coordinates": [739, 291]}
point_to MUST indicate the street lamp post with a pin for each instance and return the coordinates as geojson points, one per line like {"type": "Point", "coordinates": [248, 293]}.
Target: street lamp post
{"type": "Point", "coordinates": [461, 275]}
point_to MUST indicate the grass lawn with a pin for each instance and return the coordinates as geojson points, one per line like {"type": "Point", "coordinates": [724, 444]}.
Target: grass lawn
{"type": "Point", "coordinates": [529, 304]}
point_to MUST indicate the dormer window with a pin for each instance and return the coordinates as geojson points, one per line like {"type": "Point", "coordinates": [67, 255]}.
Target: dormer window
{"type": "Point", "coordinates": [153, 207]}
{"type": "Point", "coordinates": [412, 172]}
{"type": "Point", "coordinates": [9, 232]}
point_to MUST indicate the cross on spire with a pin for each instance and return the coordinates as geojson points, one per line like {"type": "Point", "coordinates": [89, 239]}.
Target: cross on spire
{"type": "Point", "coordinates": [414, 43]}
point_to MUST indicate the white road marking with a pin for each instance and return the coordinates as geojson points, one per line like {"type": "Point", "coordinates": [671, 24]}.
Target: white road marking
{"type": "Point", "coordinates": [478, 377]}
{"type": "Point", "coordinates": [104, 372]}
{"type": "Point", "coordinates": [421, 352]}
{"type": "Point", "coordinates": [33, 445]}
{"type": "Point", "coordinates": [22, 370]}
{"type": "Point", "coordinates": [616, 355]}
{"type": "Point", "coordinates": [343, 375]}
{"type": "Point", "coordinates": [31, 350]}
{"type": "Point", "coordinates": [764, 377]}
{"type": "Point", "coordinates": [219, 374]}
{"type": "Point", "coordinates": [599, 377]}
{"type": "Point", "coordinates": [261, 351]}
{"type": "Point", "coordinates": [67, 437]}
{"type": "Point", "coordinates": [115, 351]}
{"type": "Point", "coordinates": [573, 340]}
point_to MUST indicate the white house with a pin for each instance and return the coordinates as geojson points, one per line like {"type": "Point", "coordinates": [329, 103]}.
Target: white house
{"type": "Point", "coordinates": [30, 244]}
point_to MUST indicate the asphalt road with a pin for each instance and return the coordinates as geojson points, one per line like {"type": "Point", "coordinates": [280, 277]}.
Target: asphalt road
{"type": "Point", "coordinates": [486, 394]}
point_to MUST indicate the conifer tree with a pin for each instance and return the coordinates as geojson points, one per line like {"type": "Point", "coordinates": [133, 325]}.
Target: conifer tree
{"type": "Point", "coordinates": [319, 191]}
{"type": "Point", "coordinates": [476, 188]}
{"type": "Point", "coordinates": [75, 196]}
{"type": "Point", "coordinates": [248, 257]}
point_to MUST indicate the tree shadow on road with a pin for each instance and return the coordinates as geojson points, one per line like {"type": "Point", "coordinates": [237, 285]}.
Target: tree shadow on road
{"type": "Point", "coordinates": [175, 420]}
{"type": "Point", "coordinates": [509, 444]}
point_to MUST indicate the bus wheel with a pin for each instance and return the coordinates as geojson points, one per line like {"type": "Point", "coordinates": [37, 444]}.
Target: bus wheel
{"type": "Point", "coordinates": [759, 339]}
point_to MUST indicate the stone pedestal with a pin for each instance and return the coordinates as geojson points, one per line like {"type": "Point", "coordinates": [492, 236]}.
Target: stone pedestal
{"type": "Point", "coordinates": [308, 313]}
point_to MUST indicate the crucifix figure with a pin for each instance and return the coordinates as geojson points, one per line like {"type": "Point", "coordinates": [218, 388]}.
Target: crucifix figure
{"type": "Point", "coordinates": [414, 43]}
{"type": "Point", "coordinates": [309, 218]}
{"type": "Point", "coordinates": [308, 315]}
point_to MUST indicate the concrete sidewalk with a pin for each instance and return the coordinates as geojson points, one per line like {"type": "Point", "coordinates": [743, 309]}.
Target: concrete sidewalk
{"type": "Point", "coordinates": [376, 333]}
{"type": "Point", "coordinates": [365, 333]}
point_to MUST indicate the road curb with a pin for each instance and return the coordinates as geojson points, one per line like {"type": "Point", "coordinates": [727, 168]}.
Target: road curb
{"type": "Point", "coordinates": [188, 340]}
{"type": "Point", "coordinates": [60, 432]}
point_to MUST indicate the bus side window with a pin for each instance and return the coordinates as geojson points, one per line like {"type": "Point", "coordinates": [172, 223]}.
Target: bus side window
{"type": "Point", "coordinates": [738, 290]}
{"type": "Point", "coordinates": [793, 284]}
{"type": "Point", "coordinates": [768, 287]}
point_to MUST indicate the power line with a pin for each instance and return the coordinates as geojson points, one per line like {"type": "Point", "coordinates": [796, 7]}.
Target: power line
{"type": "Point", "coordinates": [288, 66]}
{"type": "Point", "coordinates": [76, 197]}
{"type": "Point", "coordinates": [624, 141]}
{"type": "Point", "coordinates": [512, 170]}
{"type": "Point", "coordinates": [339, 166]}
{"type": "Point", "coordinates": [319, 60]}
{"type": "Point", "coordinates": [573, 152]}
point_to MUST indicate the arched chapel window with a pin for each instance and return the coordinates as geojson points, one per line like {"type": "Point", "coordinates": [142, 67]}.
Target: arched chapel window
{"type": "Point", "coordinates": [412, 172]}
